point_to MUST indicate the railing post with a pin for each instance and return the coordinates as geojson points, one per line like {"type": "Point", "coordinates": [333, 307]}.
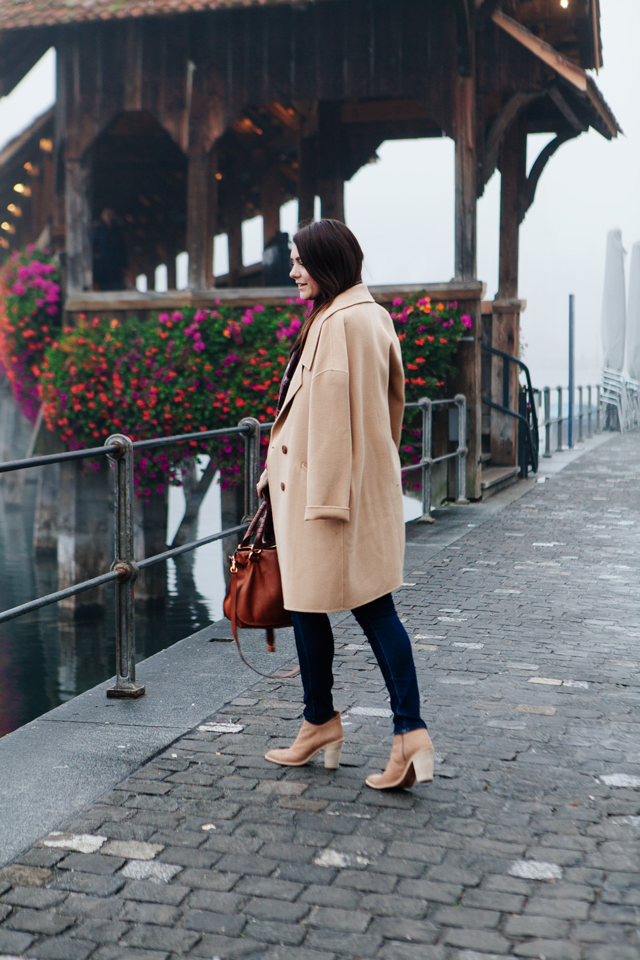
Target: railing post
{"type": "Point", "coordinates": [580, 416]}
{"type": "Point", "coordinates": [559, 444]}
{"type": "Point", "coordinates": [598, 402]}
{"type": "Point", "coordinates": [547, 421]}
{"type": "Point", "coordinates": [425, 406]}
{"type": "Point", "coordinates": [122, 459]}
{"type": "Point", "coordinates": [461, 457]}
{"type": "Point", "coordinates": [589, 419]}
{"type": "Point", "coordinates": [251, 466]}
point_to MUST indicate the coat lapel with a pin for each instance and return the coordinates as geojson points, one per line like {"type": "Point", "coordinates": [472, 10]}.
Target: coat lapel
{"type": "Point", "coordinates": [348, 298]}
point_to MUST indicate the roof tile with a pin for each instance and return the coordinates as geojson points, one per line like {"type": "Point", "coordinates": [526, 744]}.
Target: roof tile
{"type": "Point", "coordinates": [37, 13]}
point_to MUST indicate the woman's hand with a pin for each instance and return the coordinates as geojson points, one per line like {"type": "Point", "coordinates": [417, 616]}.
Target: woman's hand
{"type": "Point", "coordinates": [263, 483]}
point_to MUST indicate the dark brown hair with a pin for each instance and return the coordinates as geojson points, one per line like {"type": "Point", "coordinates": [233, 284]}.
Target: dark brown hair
{"type": "Point", "coordinates": [333, 257]}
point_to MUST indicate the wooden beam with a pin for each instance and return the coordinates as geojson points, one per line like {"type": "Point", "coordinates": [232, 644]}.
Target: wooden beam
{"type": "Point", "coordinates": [306, 178]}
{"type": "Point", "coordinates": [506, 323]}
{"type": "Point", "coordinates": [270, 201]}
{"type": "Point", "coordinates": [465, 200]}
{"type": "Point", "coordinates": [199, 226]}
{"type": "Point", "coordinates": [528, 188]}
{"type": "Point", "coordinates": [331, 192]}
{"type": "Point", "coordinates": [78, 226]}
{"type": "Point", "coordinates": [496, 134]}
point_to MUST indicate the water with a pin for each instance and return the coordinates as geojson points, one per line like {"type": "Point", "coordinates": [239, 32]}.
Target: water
{"type": "Point", "coordinates": [48, 657]}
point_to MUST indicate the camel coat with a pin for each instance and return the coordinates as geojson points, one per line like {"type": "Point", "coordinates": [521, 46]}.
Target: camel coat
{"type": "Point", "coordinates": [333, 464]}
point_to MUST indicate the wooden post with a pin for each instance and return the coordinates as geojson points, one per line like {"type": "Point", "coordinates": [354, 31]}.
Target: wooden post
{"type": "Point", "coordinates": [234, 235]}
{"type": "Point", "coordinates": [200, 225]}
{"type": "Point", "coordinates": [331, 191]}
{"type": "Point", "coordinates": [466, 174]}
{"type": "Point", "coordinates": [78, 226]}
{"type": "Point", "coordinates": [468, 380]}
{"type": "Point", "coordinates": [506, 319]}
{"type": "Point", "coordinates": [270, 203]}
{"type": "Point", "coordinates": [330, 161]}
{"type": "Point", "coordinates": [306, 178]}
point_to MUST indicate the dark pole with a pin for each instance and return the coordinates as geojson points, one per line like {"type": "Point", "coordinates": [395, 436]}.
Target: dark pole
{"type": "Point", "coordinates": [572, 366]}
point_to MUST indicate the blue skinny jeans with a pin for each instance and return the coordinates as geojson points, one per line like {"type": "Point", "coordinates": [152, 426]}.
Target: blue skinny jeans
{"type": "Point", "coordinates": [391, 646]}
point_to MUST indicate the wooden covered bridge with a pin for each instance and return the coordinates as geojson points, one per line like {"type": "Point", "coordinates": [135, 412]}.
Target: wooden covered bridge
{"type": "Point", "coordinates": [188, 117]}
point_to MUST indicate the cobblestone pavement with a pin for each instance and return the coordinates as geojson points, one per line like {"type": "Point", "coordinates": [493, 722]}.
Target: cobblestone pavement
{"type": "Point", "coordinates": [527, 843]}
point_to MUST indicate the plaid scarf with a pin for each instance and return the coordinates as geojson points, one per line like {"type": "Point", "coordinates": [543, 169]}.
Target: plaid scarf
{"type": "Point", "coordinates": [286, 380]}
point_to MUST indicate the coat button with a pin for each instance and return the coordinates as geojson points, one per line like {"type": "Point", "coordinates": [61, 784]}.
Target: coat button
{"type": "Point", "coordinates": [282, 486]}
{"type": "Point", "coordinates": [284, 449]}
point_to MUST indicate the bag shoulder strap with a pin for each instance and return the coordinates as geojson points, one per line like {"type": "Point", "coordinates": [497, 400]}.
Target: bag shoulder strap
{"type": "Point", "coordinates": [234, 630]}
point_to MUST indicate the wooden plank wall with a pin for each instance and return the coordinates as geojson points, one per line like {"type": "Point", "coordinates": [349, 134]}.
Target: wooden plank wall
{"type": "Point", "coordinates": [196, 72]}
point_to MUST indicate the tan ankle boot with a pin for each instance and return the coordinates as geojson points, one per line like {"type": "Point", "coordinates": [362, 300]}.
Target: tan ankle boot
{"type": "Point", "coordinates": [411, 759]}
{"type": "Point", "coordinates": [312, 739]}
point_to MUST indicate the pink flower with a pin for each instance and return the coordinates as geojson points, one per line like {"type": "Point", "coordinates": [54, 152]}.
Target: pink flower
{"type": "Point", "coordinates": [176, 315]}
{"type": "Point", "coordinates": [163, 318]}
{"type": "Point", "coordinates": [200, 315]}
{"type": "Point", "coordinates": [398, 302]}
{"type": "Point", "coordinates": [467, 321]}
{"type": "Point", "coordinates": [18, 288]}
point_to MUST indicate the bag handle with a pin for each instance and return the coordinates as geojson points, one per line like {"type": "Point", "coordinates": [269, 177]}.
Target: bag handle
{"type": "Point", "coordinates": [270, 638]}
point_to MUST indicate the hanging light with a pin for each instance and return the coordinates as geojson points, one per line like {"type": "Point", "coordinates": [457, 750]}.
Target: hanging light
{"type": "Point", "coordinates": [46, 145]}
{"type": "Point", "coordinates": [564, 4]}
{"type": "Point", "coordinates": [22, 188]}
{"type": "Point", "coordinates": [9, 227]}
{"type": "Point", "coordinates": [14, 209]}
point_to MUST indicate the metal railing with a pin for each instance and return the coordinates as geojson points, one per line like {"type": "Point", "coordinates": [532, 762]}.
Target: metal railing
{"type": "Point", "coordinates": [427, 461]}
{"type": "Point", "coordinates": [529, 447]}
{"type": "Point", "coordinates": [585, 412]}
{"type": "Point", "coordinates": [119, 449]}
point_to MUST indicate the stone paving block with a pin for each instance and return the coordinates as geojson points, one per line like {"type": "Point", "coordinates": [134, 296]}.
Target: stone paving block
{"type": "Point", "coordinates": [393, 928]}
{"type": "Point", "coordinates": [349, 921]}
{"type": "Point", "coordinates": [429, 890]}
{"type": "Point", "coordinates": [160, 913]}
{"type": "Point", "coordinates": [396, 950]}
{"type": "Point", "coordinates": [113, 952]}
{"type": "Point", "coordinates": [306, 873]}
{"type": "Point", "coordinates": [344, 944]}
{"type": "Point", "coordinates": [612, 952]}
{"type": "Point", "coordinates": [272, 931]}
{"type": "Point", "coordinates": [80, 905]}
{"type": "Point", "coordinates": [550, 949]}
{"type": "Point", "coordinates": [100, 931]}
{"type": "Point", "coordinates": [62, 948]}
{"type": "Point", "coordinates": [38, 921]}
{"type": "Point", "coordinates": [18, 875]}
{"type": "Point", "coordinates": [162, 938]}
{"type": "Point", "coordinates": [91, 863]}
{"type": "Point", "coordinates": [35, 897]}
{"type": "Point", "coordinates": [281, 910]}
{"type": "Point", "coordinates": [562, 909]}
{"type": "Point", "coordinates": [278, 889]}
{"type": "Point", "coordinates": [227, 948]}
{"type": "Point", "coordinates": [13, 942]}
{"type": "Point", "coordinates": [598, 933]}
{"type": "Point", "coordinates": [484, 941]}
{"type": "Point", "coordinates": [148, 892]}
{"type": "Point", "coordinates": [206, 921]}
{"type": "Point", "coordinates": [540, 926]}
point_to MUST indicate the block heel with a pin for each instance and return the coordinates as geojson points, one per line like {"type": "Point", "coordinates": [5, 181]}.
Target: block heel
{"type": "Point", "coordinates": [332, 753]}
{"type": "Point", "coordinates": [423, 765]}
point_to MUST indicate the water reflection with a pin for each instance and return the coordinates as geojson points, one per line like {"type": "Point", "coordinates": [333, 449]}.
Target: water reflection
{"type": "Point", "coordinates": [48, 657]}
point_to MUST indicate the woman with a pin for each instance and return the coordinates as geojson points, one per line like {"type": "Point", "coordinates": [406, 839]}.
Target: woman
{"type": "Point", "coordinates": [334, 482]}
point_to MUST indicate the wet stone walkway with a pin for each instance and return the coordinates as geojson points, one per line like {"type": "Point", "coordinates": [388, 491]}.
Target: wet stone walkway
{"type": "Point", "coordinates": [527, 843]}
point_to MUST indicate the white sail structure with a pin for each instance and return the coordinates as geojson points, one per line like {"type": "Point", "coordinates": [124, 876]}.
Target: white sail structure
{"type": "Point", "coordinates": [614, 304]}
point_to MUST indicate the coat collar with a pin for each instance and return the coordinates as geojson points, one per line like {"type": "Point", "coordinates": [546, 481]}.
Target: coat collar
{"type": "Point", "coordinates": [348, 298]}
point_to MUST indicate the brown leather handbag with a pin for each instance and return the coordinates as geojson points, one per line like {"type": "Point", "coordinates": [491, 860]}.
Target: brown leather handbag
{"type": "Point", "coordinates": [254, 598]}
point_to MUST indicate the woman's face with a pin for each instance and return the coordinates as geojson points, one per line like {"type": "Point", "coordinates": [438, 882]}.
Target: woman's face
{"type": "Point", "coordinates": [308, 289]}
